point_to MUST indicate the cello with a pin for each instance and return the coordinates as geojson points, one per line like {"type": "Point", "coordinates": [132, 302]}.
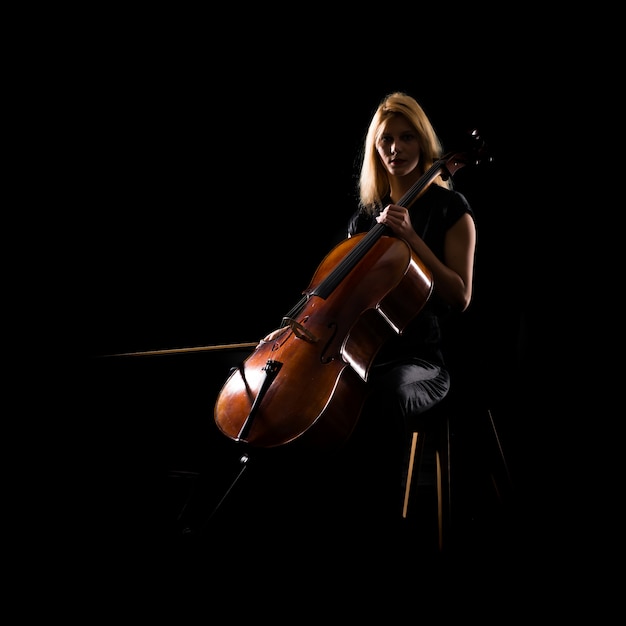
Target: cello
{"type": "Point", "coordinates": [306, 381]}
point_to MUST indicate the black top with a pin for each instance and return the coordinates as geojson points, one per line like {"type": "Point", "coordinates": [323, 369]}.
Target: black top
{"type": "Point", "coordinates": [432, 215]}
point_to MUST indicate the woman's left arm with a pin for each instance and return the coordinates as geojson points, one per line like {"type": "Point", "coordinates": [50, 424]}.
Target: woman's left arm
{"type": "Point", "coordinates": [454, 275]}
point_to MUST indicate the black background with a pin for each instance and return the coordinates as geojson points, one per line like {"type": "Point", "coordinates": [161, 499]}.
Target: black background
{"type": "Point", "coordinates": [214, 176]}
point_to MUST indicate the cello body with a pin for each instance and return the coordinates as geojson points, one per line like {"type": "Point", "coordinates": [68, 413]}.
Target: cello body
{"type": "Point", "coordinates": [309, 381]}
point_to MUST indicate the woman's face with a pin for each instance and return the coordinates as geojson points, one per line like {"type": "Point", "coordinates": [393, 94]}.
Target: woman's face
{"type": "Point", "coordinates": [397, 147]}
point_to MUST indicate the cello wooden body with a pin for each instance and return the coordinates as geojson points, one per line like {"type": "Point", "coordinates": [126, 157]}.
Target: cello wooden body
{"type": "Point", "coordinates": [309, 381]}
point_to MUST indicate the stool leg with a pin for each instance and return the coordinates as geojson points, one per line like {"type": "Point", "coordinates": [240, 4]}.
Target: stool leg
{"type": "Point", "coordinates": [409, 474]}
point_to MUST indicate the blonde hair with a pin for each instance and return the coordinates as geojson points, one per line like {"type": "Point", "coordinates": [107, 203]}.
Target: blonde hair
{"type": "Point", "coordinates": [373, 181]}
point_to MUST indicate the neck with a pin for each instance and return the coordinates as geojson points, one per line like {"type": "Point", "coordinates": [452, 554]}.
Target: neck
{"type": "Point", "coordinates": [400, 185]}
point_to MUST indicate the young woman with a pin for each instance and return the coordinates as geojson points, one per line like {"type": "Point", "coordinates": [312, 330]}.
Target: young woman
{"type": "Point", "coordinates": [400, 146]}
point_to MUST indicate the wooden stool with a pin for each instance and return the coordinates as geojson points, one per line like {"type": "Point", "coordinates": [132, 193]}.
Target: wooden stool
{"type": "Point", "coordinates": [427, 468]}
{"type": "Point", "coordinates": [482, 484]}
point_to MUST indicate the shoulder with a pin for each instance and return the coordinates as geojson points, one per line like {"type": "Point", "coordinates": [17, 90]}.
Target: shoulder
{"type": "Point", "coordinates": [452, 203]}
{"type": "Point", "coordinates": [444, 196]}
